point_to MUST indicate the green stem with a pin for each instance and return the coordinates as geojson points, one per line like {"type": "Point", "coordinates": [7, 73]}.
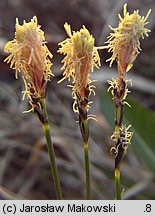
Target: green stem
{"type": "Point", "coordinates": [51, 153]}
{"type": "Point", "coordinates": [87, 170]}
{"type": "Point", "coordinates": [86, 156]}
{"type": "Point", "coordinates": [119, 156]}
{"type": "Point", "coordinates": [43, 103]}
{"type": "Point", "coordinates": [117, 182]}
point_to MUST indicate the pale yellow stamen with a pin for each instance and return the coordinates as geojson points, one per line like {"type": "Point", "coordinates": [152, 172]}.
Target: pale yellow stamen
{"type": "Point", "coordinates": [127, 37]}
{"type": "Point", "coordinates": [30, 56]}
{"type": "Point", "coordinates": [81, 56]}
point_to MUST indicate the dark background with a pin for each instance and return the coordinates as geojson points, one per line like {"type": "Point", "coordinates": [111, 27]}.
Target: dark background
{"type": "Point", "coordinates": [24, 165]}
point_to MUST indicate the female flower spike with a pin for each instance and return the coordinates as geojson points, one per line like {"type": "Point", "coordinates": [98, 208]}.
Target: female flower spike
{"type": "Point", "coordinates": [124, 41]}
{"type": "Point", "coordinates": [30, 56]}
{"type": "Point", "coordinates": [80, 58]}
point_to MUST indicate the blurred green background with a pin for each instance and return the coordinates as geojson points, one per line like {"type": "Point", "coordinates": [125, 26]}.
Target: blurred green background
{"type": "Point", "coordinates": [24, 166]}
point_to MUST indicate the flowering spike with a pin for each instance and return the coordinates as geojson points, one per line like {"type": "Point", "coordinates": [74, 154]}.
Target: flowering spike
{"type": "Point", "coordinates": [124, 42]}
{"type": "Point", "coordinates": [30, 56]}
{"type": "Point", "coordinates": [81, 56]}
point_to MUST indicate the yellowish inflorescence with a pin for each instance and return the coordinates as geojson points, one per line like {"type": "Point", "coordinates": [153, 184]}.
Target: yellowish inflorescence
{"type": "Point", "coordinates": [81, 56]}
{"type": "Point", "coordinates": [30, 56]}
{"type": "Point", "coordinates": [124, 44]}
{"type": "Point", "coordinates": [124, 41]}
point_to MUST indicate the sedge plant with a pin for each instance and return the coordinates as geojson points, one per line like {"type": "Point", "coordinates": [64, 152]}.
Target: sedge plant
{"type": "Point", "coordinates": [31, 57]}
{"type": "Point", "coordinates": [81, 56]}
{"type": "Point", "coordinates": [124, 44]}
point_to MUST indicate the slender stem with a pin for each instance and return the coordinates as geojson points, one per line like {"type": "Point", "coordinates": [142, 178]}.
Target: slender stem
{"type": "Point", "coordinates": [120, 153]}
{"type": "Point", "coordinates": [87, 170]}
{"type": "Point", "coordinates": [43, 103]}
{"type": "Point", "coordinates": [51, 153]}
{"type": "Point", "coordinates": [86, 156]}
{"type": "Point", "coordinates": [117, 182]}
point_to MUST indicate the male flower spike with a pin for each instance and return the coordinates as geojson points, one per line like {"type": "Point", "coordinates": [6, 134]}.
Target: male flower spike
{"type": "Point", "coordinates": [30, 56]}
{"type": "Point", "coordinates": [124, 42]}
{"type": "Point", "coordinates": [80, 58]}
